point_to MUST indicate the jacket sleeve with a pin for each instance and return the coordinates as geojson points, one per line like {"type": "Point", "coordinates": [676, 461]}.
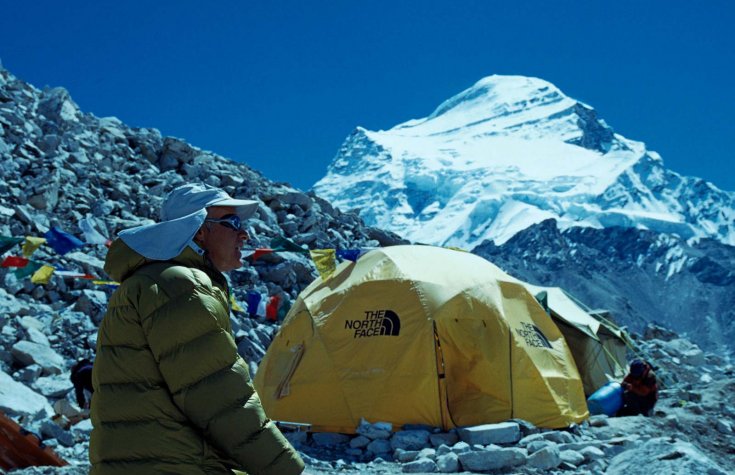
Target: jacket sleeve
{"type": "Point", "coordinates": [210, 382]}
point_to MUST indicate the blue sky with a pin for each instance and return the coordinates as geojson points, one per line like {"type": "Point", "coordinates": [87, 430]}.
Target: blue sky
{"type": "Point", "coordinates": [279, 85]}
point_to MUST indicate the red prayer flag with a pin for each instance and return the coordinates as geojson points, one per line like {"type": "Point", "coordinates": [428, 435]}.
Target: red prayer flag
{"type": "Point", "coordinates": [271, 310]}
{"type": "Point", "coordinates": [14, 261]}
{"type": "Point", "coordinates": [260, 252]}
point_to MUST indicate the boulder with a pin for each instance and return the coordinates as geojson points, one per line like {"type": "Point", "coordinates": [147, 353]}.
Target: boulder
{"type": "Point", "coordinates": [410, 439]}
{"type": "Point", "coordinates": [420, 466]}
{"type": "Point", "coordinates": [546, 458]}
{"type": "Point", "coordinates": [329, 439]}
{"type": "Point", "coordinates": [502, 433]}
{"type": "Point", "coordinates": [447, 463]}
{"type": "Point", "coordinates": [17, 399]}
{"type": "Point", "coordinates": [492, 458]}
{"type": "Point", "coordinates": [28, 353]}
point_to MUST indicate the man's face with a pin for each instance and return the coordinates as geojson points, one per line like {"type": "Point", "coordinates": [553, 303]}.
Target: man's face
{"type": "Point", "coordinates": [222, 243]}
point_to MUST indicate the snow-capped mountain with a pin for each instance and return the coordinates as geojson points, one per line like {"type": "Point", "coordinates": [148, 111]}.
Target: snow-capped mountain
{"type": "Point", "coordinates": [509, 152]}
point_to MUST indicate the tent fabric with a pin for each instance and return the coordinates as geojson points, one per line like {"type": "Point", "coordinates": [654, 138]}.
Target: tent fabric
{"type": "Point", "coordinates": [419, 335]}
{"type": "Point", "coordinates": [599, 348]}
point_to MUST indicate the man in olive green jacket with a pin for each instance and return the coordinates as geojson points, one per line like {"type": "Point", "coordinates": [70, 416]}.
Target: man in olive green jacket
{"type": "Point", "coordinates": [171, 394]}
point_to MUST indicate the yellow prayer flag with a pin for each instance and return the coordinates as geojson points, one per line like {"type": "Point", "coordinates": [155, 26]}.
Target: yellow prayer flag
{"type": "Point", "coordinates": [105, 282]}
{"type": "Point", "coordinates": [31, 244]}
{"type": "Point", "coordinates": [325, 261]}
{"type": "Point", "coordinates": [234, 304]}
{"type": "Point", "coordinates": [42, 275]}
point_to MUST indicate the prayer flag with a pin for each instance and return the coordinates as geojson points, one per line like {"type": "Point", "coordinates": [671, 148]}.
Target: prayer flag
{"type": "Point", "coordinates": [252, 299]}
{"type": "Point", "coordinates": [69, 273]}
{"type": "Point", "coordinates": [42, 275]}
{"type": "Point", "coordinates": [110, 284]}
{"type": "Point", "coordinates": [233, 304]}
{"type": "Point", "coordinates": [7, 243]}
{"type": "Point", "coordinates": [282, 244]}
{"type": "Point", "coordinates": [349, 254]}
{"type": "Point", "coordinates": [324, 260]}
{"type": "Point", "coordinates": [32, 243]}
{"type": "Point", "coordinates": [62, 242]}
{"type": "Point", "coordinates": [91, 235]}
{"type": "Point", "coordinates": [29, 269]}
{"type": "Point", "coordinates": [271, 310]}
{"type": "Point", "coordinates": [14, 261]}
{"type": "Point", "coordinates": [260, 252]}
{"type": "Point", "coordinates": [261, 307]}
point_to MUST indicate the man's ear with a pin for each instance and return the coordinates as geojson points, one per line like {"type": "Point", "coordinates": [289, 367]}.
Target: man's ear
{"type": "Point", "coordinates": [199, 236]}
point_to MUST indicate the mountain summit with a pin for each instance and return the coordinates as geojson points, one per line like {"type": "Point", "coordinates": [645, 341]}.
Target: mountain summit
{"type": "Point", "coordinates": [510, 152]}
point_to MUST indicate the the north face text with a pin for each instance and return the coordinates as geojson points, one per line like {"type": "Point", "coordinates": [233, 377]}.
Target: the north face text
{"type": "Point", "coordinates": [375, 323]}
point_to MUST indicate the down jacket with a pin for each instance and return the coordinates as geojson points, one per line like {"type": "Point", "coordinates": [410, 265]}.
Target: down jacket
{"type": "Point", "coordinates": [171, 394]}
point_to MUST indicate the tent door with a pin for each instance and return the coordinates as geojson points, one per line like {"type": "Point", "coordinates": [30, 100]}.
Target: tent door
{"type": "Point", "coordinates": [284, 389]}
{"type": "Point", "coordinates": [442, 381]}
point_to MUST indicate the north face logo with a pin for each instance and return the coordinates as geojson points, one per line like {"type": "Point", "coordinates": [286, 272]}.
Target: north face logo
{"type": "Point", "coordinates": [533, 336]}
{"type": "Point", "coordinates": [375, 323]}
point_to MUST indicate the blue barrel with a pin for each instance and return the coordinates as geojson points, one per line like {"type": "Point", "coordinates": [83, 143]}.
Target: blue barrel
{"type": "Point", "coordinates": [606, 400]}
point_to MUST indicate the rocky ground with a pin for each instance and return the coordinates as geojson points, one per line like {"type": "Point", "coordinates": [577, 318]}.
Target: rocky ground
{"type": "Point", "coordinates": [690, 432]}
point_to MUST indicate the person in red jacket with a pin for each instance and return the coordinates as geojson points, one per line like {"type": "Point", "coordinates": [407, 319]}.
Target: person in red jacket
{"type": "Point", "coordinates": [640, 391]}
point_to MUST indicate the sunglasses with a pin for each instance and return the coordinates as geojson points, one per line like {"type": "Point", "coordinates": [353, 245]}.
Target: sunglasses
{"type": "Point", "coordinates": [231, 221]}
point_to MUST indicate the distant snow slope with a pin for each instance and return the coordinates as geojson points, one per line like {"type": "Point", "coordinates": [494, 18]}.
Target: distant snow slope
{"type": "Point", "coordinates": [509, 152]}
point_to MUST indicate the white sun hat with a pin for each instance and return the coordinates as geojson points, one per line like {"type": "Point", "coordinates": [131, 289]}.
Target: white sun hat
{"type": "Point", "coordinates": [182, 214]}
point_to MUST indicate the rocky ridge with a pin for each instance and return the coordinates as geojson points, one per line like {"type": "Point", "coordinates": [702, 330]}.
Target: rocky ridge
{"type": "Point", "coordinates": [640, 276]}
{"type": "Point", "coordinates": [59, 165]}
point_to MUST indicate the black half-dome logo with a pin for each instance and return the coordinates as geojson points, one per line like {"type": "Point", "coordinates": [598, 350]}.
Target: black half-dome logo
{"type": "Point", "coordinates": [375, 323]}
{"type": "Point", "coordinates": [533, 336]}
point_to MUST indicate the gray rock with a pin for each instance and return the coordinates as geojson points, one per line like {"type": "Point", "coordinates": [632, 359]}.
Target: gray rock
{"type": "Point", "coordinates": [17, 399]}
{"type": "Point", "coordinates": [592, 453]}
{"type": "Point", "coordinates": [492, 458]}
{"type": "Point", "coordinates": [410, 439]}
{"type": "Point", "coordinates": [55, 386]}
{"type": "Point", "coordinates": [50, 430]}
{"type": "Point", "coordinates": [560, 437]}
{"type": "Point", "coordinates": [663, 455]}
{"type": "Point", "coordinates": [379, 446]}
{"type": "Point", "coordinates": [444, 438]}
{"type": "Point", "coordinates": [359, 442]}
{"type": "Point", "coordinates": [447, 463]}
{"type": "Point", "coordinates": [501, 433]}
{"type": "Point", "coordinates": [427, 453]}
{"type": "Point", "coordinates": [420, 466]}
{"type": "Point", "coordinates": [27, 353]}
{"type": "Point", "coordinates": [724, 426]}
{"type": "Point", "coordinates": [404, 456]}
{"type": "Point", "coordinates": [461, 447]}
{"type": "Point", "coordinates": [28, 374]}
{"type": "Point", "coordinates": [92, 303]}
{"type": "Point", "coordinates": [36, 336]}
{"type": "Point", "coordinates": [329, 439]}
{"type": "Point", "coordinates": [572, 457]}
{"type": "Point", "coordinates": [546, 458]}
{"type": "Point", "coordinates": [378, 430]}
{"type": "Point", "coordinates": [599, 420]}
{"type": "Point", "coordinates": [537, 445]}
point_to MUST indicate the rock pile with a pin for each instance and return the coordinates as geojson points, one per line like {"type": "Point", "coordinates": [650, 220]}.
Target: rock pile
{"type": "Point", "coordinates": [690, 432]}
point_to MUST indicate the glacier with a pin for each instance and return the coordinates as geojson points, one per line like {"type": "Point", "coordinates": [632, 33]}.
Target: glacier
{"type": "Point", "coordinates": [510, 152]}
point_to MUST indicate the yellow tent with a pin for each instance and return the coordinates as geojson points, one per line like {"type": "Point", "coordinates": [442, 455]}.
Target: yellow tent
{"type": "Point", "coordinates": [419, 335]}
{"type": "Point", "coordinates": [599, 347]}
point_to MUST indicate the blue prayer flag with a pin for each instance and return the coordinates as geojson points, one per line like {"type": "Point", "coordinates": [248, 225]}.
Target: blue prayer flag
{"type": "Point", "coordinates": [252, 299]}
{"type": "Point", "coordinates": [349, 254]}
{"type": "Point", "coordinates": [60, 241]}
